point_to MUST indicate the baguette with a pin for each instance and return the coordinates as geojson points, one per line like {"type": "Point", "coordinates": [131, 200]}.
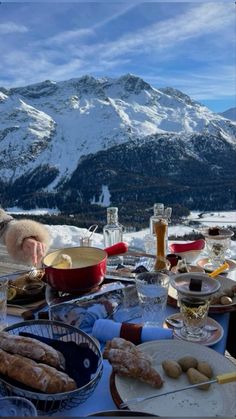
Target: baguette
{"type": "Point", "coordinates": [37, 376]}
{"type": "Point", "coordinates": [32, 348]}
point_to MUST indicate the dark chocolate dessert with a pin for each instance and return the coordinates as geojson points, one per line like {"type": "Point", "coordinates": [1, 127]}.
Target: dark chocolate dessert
{"type": "Point", "coordinates": [214, 231]}
{"type": "Point", "coordinates": [195, 284]}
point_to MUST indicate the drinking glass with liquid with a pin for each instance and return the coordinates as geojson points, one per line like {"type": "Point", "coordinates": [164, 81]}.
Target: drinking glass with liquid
{"type": "Point", "coordinates": [152, 289]}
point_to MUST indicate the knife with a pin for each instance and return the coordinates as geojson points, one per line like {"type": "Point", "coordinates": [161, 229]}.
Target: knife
{"type": "Point", "coordinates": [220, 379]}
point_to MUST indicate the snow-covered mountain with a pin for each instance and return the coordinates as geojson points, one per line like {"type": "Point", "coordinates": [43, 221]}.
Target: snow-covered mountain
{"type": "Point", "coordinates": [229, 114]}
{"type": "Point", "coordinates": [48, 129]}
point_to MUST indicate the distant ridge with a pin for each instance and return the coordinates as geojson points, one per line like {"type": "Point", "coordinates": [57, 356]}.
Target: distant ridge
{"type": "Point", "coordinates": [229, 114]}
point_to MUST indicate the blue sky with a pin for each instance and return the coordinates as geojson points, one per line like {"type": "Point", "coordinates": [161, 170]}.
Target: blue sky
{"type": "Point", "coordinates": [190, 46]}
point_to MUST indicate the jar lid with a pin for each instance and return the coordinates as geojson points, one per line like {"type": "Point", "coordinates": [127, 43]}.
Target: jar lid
{"type": "Point", "coordinates": [182, 282]}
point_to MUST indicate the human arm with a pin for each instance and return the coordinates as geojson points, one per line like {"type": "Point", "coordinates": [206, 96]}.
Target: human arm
{"type": "Point", "coordinates": [26, 240]}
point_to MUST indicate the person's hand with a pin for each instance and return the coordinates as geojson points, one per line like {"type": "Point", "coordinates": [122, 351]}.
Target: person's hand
{"type": "Point", "coordinates": [33, 250]}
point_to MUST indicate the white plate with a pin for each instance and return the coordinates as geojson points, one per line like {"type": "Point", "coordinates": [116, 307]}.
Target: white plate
{"type": "Point", "coordinates": [219, 400]}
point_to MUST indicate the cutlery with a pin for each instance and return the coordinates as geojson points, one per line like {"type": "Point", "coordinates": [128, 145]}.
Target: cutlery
{"type": "Point", "coordinates": [219, 270]}
{"type": "Point", "coordinates": [33, 272]}
{"type": "Point", "coordinates": [220, 379]}
{"type": "Point", "coordinates": [138, 253]}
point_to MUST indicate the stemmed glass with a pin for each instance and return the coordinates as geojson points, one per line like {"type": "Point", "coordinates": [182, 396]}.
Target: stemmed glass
{"type": "Point", "coordinates": [52, 298]}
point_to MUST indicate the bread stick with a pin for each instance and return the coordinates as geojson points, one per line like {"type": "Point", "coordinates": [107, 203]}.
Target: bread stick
{"type": "Point", "coordinates": [32, 348]}
{"type": "Point", "coordinates": [37, 376]}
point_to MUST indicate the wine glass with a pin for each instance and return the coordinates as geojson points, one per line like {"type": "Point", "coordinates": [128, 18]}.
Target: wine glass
{"type": "Point", "coordinates": [52, 298]}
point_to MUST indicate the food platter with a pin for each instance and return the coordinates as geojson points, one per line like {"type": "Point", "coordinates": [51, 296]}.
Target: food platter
{"type": "Point", "coordinates": [219, 400]}
{"type": "Point", "coordinates": [214, 308]}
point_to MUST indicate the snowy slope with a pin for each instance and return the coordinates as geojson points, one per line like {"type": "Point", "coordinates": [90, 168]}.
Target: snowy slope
{"type": "Point", "coordinates": [58, 123]}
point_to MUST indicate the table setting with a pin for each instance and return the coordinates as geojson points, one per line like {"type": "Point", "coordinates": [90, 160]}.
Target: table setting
{"type": "Point", "coordinates": [156, 302]}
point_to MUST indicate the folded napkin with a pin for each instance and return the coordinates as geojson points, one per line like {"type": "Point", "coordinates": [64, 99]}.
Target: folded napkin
{"type": "Point", "coordinates": [104, 329]}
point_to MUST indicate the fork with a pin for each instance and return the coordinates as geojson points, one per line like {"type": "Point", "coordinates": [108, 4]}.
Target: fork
{"type": "Point", "coordinates": [33, 272]}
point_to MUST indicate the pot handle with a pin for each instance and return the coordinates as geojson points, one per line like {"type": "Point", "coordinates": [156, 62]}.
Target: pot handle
{"type": "Point", "coordinates": [184, 247]}
{"type": "Point", "coordinates": [117, 249]}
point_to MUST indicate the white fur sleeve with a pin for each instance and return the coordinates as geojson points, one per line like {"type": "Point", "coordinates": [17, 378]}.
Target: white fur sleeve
{"type": "Point", "coordinates": [17, 231]}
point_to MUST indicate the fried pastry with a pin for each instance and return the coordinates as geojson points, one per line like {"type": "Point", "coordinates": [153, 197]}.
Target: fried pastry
{"type": "Point", "coordinates": [129, 361]}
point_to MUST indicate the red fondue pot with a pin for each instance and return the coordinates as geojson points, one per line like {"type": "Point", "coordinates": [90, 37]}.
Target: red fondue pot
{"type": "Point", "coordinates": [88, 267]}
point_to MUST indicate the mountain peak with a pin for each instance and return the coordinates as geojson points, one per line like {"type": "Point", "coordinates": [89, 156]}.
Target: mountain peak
{"type": "Point", "coordinates": [36, 90]}
{"type": "Point", "coordinates": [134, 83]}
{"type": "Point", "coordinates": [178, 95]}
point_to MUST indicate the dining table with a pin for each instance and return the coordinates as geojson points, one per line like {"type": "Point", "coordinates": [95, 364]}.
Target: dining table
{"type": "Point", "coordinates": [101, 399]}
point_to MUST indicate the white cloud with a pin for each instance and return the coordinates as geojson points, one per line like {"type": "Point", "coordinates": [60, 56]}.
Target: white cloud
{"type": "Point", "coordinates": [11, 27]}
{"type": "Point", "coordinates": [195, 23]}
{"type": "Point", "coordinates": [209, 84]}
{"type": "Point", "coordinates": [77, 34]}
{"type": "Point", "coordinates": [204, 33]}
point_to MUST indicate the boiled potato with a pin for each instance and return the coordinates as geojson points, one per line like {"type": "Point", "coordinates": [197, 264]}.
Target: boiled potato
{"type": "Point", "coordinates": [196, 377]}
{"type": "Point", "coordinates": [225, 300]}
{"type": "Point", "coordinates": [172, 368]}
{"type": "Point", "coordinates": [205, 368]}
{"type": "Point", "coordinates": [187, 362]}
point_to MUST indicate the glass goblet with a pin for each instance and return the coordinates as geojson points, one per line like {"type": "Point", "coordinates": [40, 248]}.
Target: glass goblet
{"type": "Point", "coordinates": [52, 298]}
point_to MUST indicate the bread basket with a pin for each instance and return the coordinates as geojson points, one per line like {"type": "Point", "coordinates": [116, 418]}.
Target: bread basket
{"type": "Point", "coordinates": [49, 403]}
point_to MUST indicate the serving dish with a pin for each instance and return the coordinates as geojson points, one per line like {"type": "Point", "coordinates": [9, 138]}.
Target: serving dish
{"type": "Point", "coordinates": [58, 331]}
{"type": "Point", "coordinates": [231, 263]}
{"type": "Point", "coordinates": [25, 287]}
{"type": "Point", "coordinates": [188, 251]}
{"type": "Point", "coordinates": [214, 308]}
{"type": "Point", "coordinates": [219, 400]}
